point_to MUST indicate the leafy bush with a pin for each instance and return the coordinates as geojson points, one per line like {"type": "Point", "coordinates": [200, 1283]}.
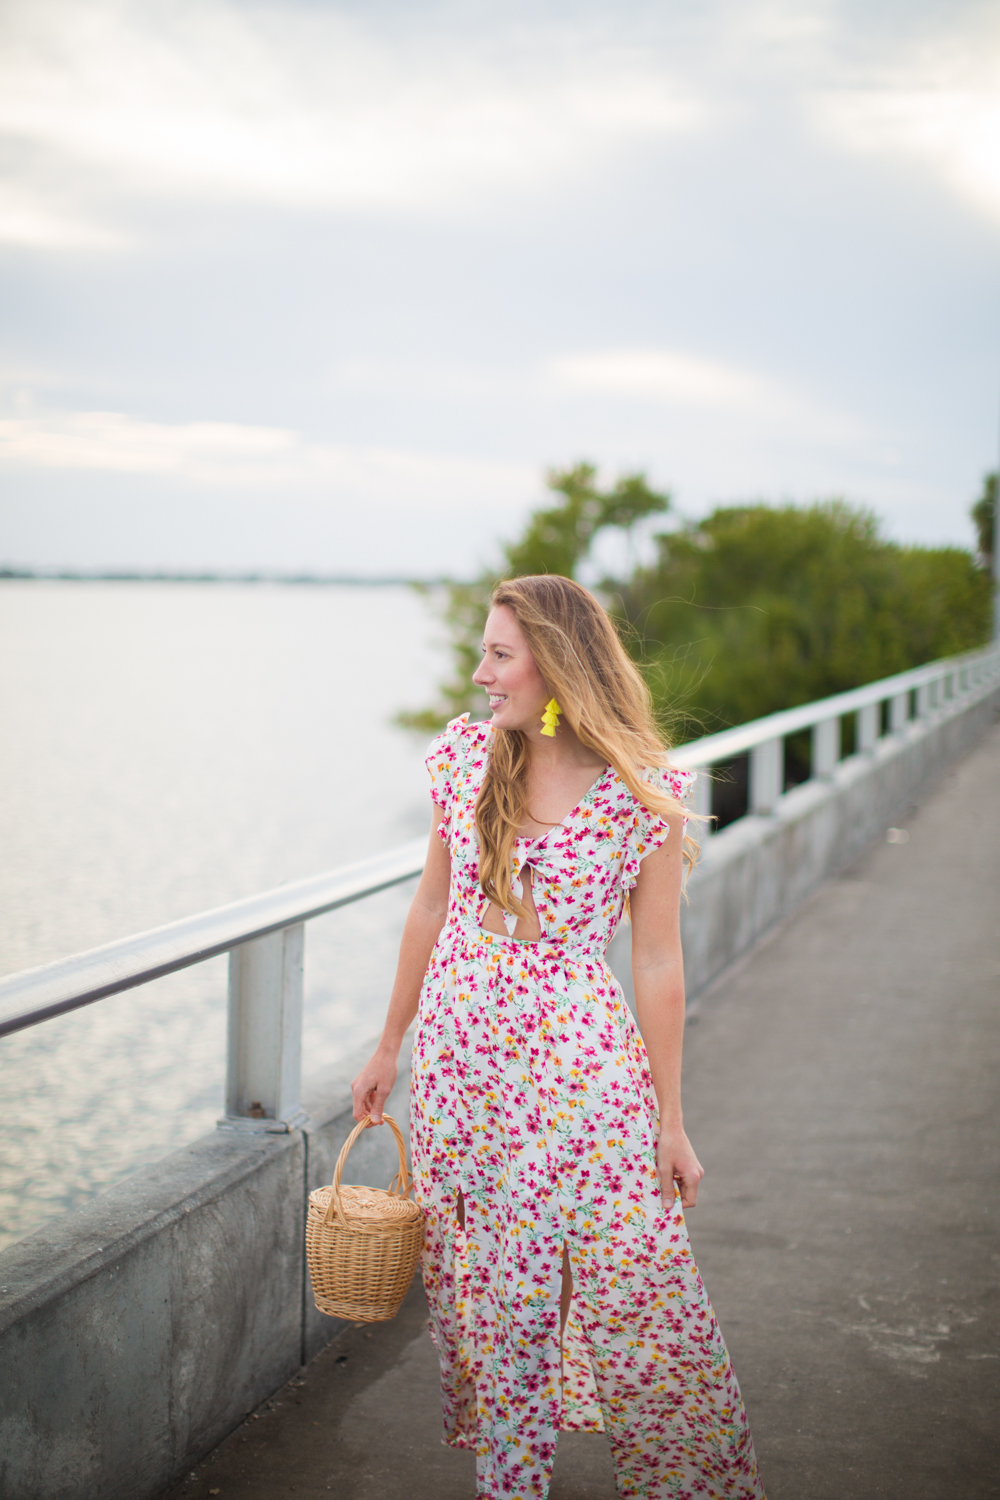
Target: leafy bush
{"type": "Point", "coordinates": [758, 608]}
{"type": "Point", "coordinates": [752, 609]}
{"type": "Point", "coordinates": [984, 519]}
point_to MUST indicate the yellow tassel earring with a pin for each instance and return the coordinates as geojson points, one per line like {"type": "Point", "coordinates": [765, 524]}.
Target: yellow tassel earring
{"type": "Point", "coordinates": [550, 718]}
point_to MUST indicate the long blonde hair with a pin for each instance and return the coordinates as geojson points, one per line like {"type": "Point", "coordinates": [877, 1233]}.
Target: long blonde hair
{"type": "Point", "coordinates": [602, 696]}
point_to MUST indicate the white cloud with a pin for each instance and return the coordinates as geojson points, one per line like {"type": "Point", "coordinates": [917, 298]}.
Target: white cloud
{"type": "Point", "coordinates": [277, 460]}
{"type": "Point", "coordinates": [930, 93]}
{"type": "Point", "coordinates": [298, 106]}
{"type": "Point", "coordinates": [919, 82]}
{"type": "Point", "coordinates": [27, 219]}
{"type": "Point", "coordinates": [954, 131]}
{"type": "Point", "coordinates": [425, 109]}
{"type": "Point", "coordinates": [202, 451]}
{"type": "Point", "coordinates": [687, 382]}
{"type": "Point", "coordinates": [658, 375]}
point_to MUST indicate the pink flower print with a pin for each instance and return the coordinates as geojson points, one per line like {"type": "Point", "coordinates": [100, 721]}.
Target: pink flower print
{"type": "Point", "coordinates": [531, 1096]}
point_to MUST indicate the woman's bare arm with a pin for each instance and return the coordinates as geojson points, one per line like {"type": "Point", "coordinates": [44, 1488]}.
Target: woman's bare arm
{"type": "Point", "coordinates": [658, 975]}
{"type": "Point", "coordinates": [428, 910]}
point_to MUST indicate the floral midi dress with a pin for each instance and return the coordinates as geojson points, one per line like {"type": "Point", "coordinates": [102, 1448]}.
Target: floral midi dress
{"type": "Point", "coordinates": [533, 1107]}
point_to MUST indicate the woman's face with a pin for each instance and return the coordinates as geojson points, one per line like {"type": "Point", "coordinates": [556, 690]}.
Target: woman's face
{"type": "Point", "coordinates": [517, 692]}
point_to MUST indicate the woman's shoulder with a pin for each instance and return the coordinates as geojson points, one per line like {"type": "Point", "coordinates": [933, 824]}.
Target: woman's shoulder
{"type": "Point", "coordinates": [669, 779]}
{"type": "Point", "coordinates": [460, 749]}
{"type": "Point", "coordinates": [628, 805]}
{"type": "Point", "coordinates": [462, 735]}
{"type": "Point", "coordinates": [648, 827]}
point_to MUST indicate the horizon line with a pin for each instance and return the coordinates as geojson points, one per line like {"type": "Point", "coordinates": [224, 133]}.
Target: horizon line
{"type": "Point", "coordinates": [15, 572]}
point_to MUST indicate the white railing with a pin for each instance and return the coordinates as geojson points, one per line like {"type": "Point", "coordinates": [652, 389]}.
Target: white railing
{"type": "Point", "coordinates": [264, 935]}
{"type": "Point", "coordinates": [939, 688]}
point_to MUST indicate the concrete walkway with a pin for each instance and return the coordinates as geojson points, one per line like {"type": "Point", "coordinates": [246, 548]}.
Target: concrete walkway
{"type": "Point", "coordinates": [841, 1089]}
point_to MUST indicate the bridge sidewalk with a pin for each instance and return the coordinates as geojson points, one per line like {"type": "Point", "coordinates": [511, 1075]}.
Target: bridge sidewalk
{"type": "Point", "coordinates": [841, 1089]}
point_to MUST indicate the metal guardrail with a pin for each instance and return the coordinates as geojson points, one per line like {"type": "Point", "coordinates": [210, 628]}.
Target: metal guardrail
{"type": "Point", "coordinates": [121, 965]}
{"type": "Point", "coordinates": [915, 695]}
{"type": "Point", "coordinates": [264, 934]}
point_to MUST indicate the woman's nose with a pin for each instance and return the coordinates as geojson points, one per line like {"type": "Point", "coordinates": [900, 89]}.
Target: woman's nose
{"type": "Point", "coordinates": [482, 675]}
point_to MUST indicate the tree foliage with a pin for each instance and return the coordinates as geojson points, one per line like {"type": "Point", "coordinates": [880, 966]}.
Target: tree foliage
{"type": "Point", "coordinates": [758, 608]}
{"type": "Point", "coordinates": [984, 518]}
{"type": "Point", "coordinates": [556, 539]}
{"type": "Point", "coordinates": [752, 609]}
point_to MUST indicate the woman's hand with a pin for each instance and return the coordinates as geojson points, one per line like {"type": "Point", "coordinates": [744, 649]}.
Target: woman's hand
{"type": "Point", "coordinates": [373, 1086]}
{"type": "Point", "coordinates": [676, 1162]}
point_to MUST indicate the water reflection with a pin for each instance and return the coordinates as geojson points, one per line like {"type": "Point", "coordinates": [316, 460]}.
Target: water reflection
{"type": "Point", "coordinates": [167, 748]}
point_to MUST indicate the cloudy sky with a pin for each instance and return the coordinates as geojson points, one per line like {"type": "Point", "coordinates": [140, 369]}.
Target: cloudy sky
{"type": "Point", "coordinates": [327, 285]}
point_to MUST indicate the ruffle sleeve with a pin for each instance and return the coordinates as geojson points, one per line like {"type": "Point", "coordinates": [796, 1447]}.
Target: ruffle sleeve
{"type": "Point", "coordinates": [456, 760]}
{"type": "Point", "coordinates": [442, 762]}
{"type": "Point", "coordinates": [650, 830]}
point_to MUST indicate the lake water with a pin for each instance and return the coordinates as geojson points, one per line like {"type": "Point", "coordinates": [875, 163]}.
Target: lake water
{"type": "Point", "coordinates": [166, 748]}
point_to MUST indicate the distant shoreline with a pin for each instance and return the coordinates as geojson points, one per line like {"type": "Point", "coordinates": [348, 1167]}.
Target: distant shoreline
{"type": "Point", "coordinates": [172, 575]}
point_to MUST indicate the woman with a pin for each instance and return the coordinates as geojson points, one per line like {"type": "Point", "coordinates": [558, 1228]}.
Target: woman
{"type": "Point", "coordinates": [548, 1146]}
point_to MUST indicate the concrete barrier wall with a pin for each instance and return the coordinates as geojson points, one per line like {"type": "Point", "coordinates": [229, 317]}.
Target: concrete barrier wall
{"type": "Point", "coordinates": [141, 1328]}
{"type": "Point", "coordinates": [138, 1331]}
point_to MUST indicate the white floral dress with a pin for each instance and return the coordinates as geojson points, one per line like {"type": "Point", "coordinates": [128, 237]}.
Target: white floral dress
{"type": "Point", "coordinates": [532, 1098]}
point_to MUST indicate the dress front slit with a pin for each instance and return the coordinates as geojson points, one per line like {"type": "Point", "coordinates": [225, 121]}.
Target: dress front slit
{"type": "Point", "coordinates": [533, 1107]}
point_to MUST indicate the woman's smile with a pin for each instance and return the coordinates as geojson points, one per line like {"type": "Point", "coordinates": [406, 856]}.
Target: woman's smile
{"type": "Point", "coordinates": [507, 660]}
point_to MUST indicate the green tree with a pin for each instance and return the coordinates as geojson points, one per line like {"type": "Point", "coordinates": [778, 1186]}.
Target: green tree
{"type": "Point", "coordinates": [556, 539]}
{"type": "Point", "coordinates": [757, 608]}
{"type": "Point", "coordinates": [984, 518]}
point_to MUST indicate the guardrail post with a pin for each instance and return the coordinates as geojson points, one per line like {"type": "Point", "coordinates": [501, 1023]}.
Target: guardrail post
{"type": "Point", "coordinates": [767, 775]}
{"type": "Point", "coordinates": [899, 713]}
{"type": "Point", "coordinates": [701, 803]}
{"type": "Point", "coordinates": [923, 700]}
{"type": "Point", "coordinates": [264, 1072]}
{"type": "Point", "coordinates": [825, 749]}
{"type": "Point", "coordinates": [868, 728]}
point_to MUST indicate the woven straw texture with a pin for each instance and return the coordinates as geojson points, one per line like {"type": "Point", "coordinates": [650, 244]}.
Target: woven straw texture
{"type": "Point", "coordinates": [363, 1244]}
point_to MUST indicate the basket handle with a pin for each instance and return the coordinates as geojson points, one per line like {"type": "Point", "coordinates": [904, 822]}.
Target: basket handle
{"type": "Point", "coordinates": [399, 1186]}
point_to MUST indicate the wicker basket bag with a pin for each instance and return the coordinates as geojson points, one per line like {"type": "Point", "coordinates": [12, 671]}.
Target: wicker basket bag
{"type": "Point", "coordinates": [363, 1243]}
